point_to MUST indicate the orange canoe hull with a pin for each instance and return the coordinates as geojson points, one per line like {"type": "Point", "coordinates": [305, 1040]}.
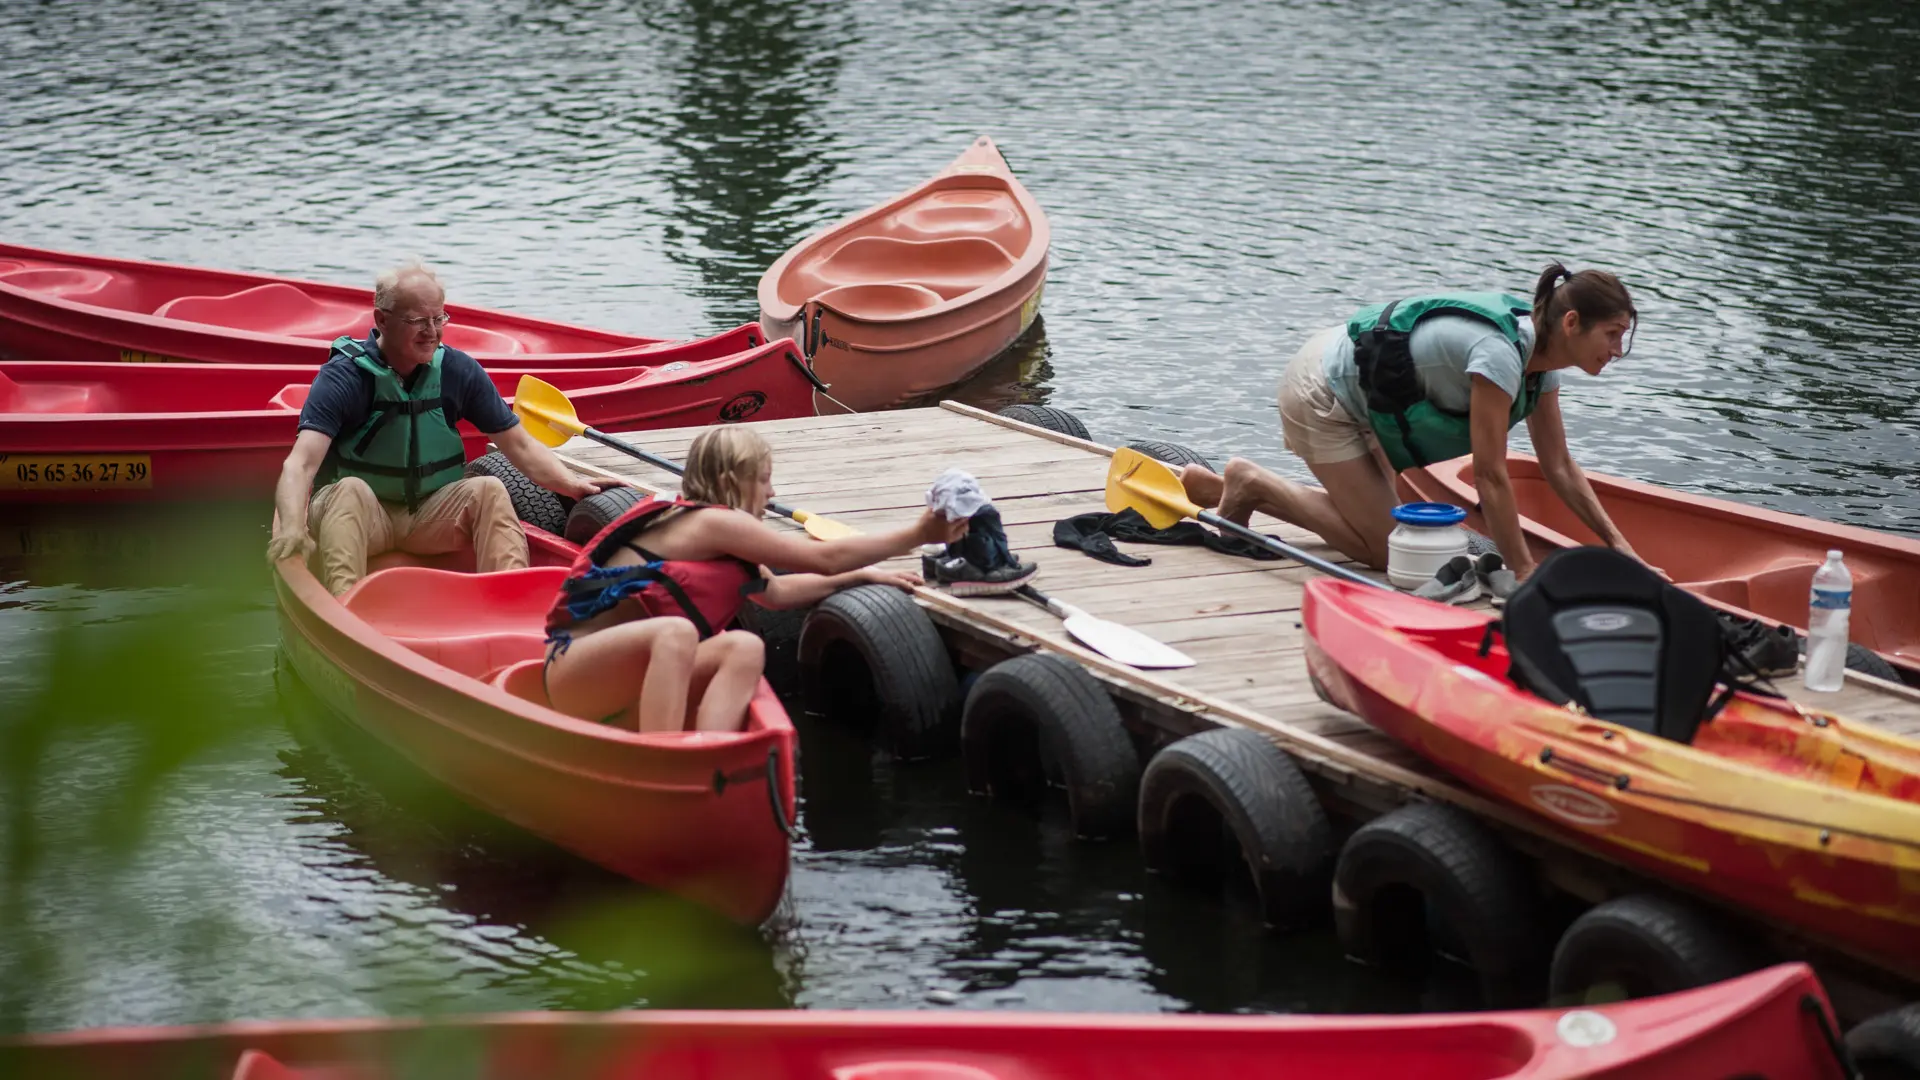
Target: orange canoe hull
{"type": "Point", "coordinates": [444, 668]}
{"type": "Point", "coordinates": [1801, 816]}
{"type": "Point", "coordinates": [1739, 558]}
{"type": "Point", "coordinates": [916, 294]}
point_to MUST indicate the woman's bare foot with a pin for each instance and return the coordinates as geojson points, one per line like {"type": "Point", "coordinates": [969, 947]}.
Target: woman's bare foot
{"type": "Point", "coordinates": [1237, 503]}
{"type": "Point", "coordinates": [1203, 485]}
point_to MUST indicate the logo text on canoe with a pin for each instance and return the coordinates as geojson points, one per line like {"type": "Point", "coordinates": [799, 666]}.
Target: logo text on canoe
{"type": "Point", "coordinates": [1572, 804]}
{"type": "Point", "coordinates": [743, 406]}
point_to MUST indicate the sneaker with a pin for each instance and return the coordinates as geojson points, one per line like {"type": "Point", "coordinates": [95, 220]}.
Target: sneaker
{"type": "Point", "coordinates": [1492, 572]}
{"type": "Point", "coordinates": [962, 578]}
{"type": "Point", "coordinates": [1454, 583]}
{"type": "Point", "coordinates": [1479, 544]}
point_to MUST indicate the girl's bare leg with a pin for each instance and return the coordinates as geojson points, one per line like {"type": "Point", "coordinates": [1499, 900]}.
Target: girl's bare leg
{"type": "Point", "coordinates": [726, 672]}
{"type": "Point", "coordinates": [644, 666]}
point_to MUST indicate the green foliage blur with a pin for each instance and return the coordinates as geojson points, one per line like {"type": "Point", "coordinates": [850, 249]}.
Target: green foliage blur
{"type": "Point", "coordinates": [189, 835]}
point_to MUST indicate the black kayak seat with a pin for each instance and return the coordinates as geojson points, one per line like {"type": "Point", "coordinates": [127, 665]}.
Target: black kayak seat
{"type": "Point", "coordinates": [1598, 629]}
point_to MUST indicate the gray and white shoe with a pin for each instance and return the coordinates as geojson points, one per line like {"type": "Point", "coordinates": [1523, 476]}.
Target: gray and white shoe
{"type": "Point", "coordinates": [1454, 583]}
{"type": "Point", "coordinates": [1493, 573]}
{"type": "Point", "coordinates": [962, 578]}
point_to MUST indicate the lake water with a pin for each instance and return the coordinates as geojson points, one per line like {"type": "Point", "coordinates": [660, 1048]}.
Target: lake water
{"type": "Point", "coordinates": [185, 843]}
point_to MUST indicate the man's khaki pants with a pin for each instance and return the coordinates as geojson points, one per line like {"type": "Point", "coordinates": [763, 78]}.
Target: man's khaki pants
{"type": "Point", "coordinates": [349, 526]}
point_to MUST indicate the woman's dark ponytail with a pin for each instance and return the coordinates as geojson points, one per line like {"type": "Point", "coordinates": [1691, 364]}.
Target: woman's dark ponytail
{"type": "Point", "coordinates": [1594, 294]}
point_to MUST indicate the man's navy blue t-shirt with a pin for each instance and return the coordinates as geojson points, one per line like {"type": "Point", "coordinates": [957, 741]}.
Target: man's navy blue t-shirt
{"type": "Point", "coordinates": [342, 394]}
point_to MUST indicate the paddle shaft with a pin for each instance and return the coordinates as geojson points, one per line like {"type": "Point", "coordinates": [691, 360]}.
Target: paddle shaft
{"type": "Point", "coordinates": [1291, 552]}
{"type": "Point", "coordinates": [656, 460]}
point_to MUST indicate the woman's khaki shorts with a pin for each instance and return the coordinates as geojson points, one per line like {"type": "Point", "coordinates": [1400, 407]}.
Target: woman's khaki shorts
{"type": "Point", "coordinates": [1317, 428]}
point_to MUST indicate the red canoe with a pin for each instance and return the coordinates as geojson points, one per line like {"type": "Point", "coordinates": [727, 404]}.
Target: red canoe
{"type": "Point", "coordinates": [1764, 1024]}
{"type": "Point", "coordinates": [66, 307]}
{"type": "Point", "coordinates": [917, 293]}
{"type": "Point", "coordinates": [1739, 558]}
{"type": "Point", "coordinates": [444, 665]}
{"type": "Point", "coordinates": [120, 432]}
{"type": "Point", "coordinates": [1781, 809]}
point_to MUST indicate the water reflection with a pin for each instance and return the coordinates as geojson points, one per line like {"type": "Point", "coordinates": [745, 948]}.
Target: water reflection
{"type": "Point", "coordinates": [753, 148]}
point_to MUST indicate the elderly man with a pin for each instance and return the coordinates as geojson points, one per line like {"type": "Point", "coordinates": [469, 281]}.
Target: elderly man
{"type": "Point", "coordinates": [378, 432]}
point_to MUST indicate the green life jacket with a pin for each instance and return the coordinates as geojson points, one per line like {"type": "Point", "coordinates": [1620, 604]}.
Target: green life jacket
{"type": "Point", "coordinates": [407, 461]}
{"type": "Point", "coordinates": [1412, 429]}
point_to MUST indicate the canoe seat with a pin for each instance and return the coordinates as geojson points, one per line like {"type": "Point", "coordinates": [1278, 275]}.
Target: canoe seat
{"type": "Point", "coordinates": [274, 308]}
{"type": "Point", "coordinates": [44, 398]}
{"type": "Point", "coordinates": [878, 301]}
{"type": "Point", "coordinates": [291, 396]}
{"type": "Point", "coordinates": [478, 339]}
{"type": "Point", "coordinates": [479, 654]}
{"type": "Point", "coordinates": [86, 285]}
{"type": "Point", "coordinates": [473, 623]}
{"type": "Point", "coordinates": [417, 601]}
{"type": "Point", "coordinates": [930, 221]}
{"type": "Point", "coordinates": [950, 266]}
{"type": "Point", "coordinates": [522, 680]}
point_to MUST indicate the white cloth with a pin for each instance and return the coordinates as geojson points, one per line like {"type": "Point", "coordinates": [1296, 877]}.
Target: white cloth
{"type": "Point", "coordinates": [956, 494]}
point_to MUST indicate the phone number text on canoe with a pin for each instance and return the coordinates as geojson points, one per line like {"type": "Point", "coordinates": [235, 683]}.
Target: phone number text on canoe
{"type": "Point", "coordinates": [41, 472]}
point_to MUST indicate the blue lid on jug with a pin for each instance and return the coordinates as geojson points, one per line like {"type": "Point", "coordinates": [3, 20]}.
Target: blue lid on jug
{"type": "Point", "coordinates": [1429, 514]}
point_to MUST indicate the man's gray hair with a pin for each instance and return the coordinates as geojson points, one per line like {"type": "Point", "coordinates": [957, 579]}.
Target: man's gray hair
{"type": "Point", "coordinates": [387, 285]}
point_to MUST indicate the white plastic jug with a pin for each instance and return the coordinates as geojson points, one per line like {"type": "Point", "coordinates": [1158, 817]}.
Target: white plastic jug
{"type": "Point", "coordinates": [1427, 536]}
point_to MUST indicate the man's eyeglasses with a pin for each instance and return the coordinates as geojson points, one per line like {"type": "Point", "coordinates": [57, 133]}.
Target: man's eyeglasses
{"type": "Point", "coordinates": [425, 322]}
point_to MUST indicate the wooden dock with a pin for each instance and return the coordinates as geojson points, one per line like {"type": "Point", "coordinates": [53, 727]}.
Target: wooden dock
{"type": "Point", "coordinates": [1240, 618]}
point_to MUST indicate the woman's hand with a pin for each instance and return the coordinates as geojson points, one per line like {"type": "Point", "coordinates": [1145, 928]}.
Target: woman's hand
{"type": "Point", "coordinates": [934, 528]}
{"type": "Point", "coordinates": [1626, 549]}
{"type": "Point", "coordinates": [904, 580]}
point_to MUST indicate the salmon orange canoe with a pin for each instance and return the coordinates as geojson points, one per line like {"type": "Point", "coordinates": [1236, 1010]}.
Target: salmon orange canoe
{"type": "Point", "coordinates": [60, 306]}
{"type": "Point", "coordinates": [1764, 1024]}
{"type": "Point", "coordinates": [445, 667]}
{"type": "Point", "coordinates": [121, 432]}
{"type": "Point", "coordinates": [1738, 558]}
{"type": "Point", "coordinates": [916, 294]}
{"type": "Point", "coordinates": [1791, 812]}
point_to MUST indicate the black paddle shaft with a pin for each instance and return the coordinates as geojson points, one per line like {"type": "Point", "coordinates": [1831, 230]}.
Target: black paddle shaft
{"type": "Point", "coordinates": [1313, 561]}
{"type": "Point", "coordinates": [659, 462]}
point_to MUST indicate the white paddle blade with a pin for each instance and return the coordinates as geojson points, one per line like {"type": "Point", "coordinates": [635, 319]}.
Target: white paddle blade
{"type": "Point", "coordinates": [1124, 643]}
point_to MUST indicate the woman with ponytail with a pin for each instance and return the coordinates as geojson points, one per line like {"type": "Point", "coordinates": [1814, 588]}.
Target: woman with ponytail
{"type": "Point", "coordinates": [1424, 379]}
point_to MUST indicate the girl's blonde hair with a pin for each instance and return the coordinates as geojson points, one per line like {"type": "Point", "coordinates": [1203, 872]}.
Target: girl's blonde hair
{"type": "Point", "coordinates": [723, 463]}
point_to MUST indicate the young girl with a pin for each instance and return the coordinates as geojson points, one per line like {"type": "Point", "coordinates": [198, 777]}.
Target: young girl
{"type": "Point", "coordinates": [641, 626]}
{"type": "Point", "coordinates": [1422, 380]}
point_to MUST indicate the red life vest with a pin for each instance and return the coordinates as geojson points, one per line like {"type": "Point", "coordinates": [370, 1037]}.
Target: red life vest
{"type": "Point", "coordinates": [707, 592]}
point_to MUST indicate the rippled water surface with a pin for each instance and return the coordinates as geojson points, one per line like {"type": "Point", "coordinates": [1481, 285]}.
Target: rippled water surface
{"type": "Point", "coordinates": [1221, 180]}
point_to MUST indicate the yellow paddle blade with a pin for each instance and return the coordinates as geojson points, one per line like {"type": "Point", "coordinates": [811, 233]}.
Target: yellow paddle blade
{"type": "Point", "coordinates": [1136, 481]}
{"type": "Point", "coordinates": [545, 411]}
{"type": "Point", "coordinates": [824, 528]}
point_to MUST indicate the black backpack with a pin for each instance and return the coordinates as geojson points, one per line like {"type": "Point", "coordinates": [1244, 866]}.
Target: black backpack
{"type": "Point", "coordinates": [1598, 629]}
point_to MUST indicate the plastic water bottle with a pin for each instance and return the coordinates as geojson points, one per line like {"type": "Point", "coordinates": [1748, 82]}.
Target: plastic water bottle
{"type": "Point", "coordinates": [1831, 602]}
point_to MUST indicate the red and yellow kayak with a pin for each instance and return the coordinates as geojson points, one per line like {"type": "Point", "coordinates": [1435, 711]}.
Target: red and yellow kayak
{"type": "Point", "coordinates": [1739, 558]}
{"type": "Point", "coordinates": [115, 432]}
{"type": "Point", "coordinates": [1785, 810]}
{"type": "Point", "coordinates": [1767, 1023]}
{"type": "Point", "coordinates": [917, 293]}
{"type": "Point", "coordinates": [444, 665]}
{"type": "Point", "coordinates": [61, 306]}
